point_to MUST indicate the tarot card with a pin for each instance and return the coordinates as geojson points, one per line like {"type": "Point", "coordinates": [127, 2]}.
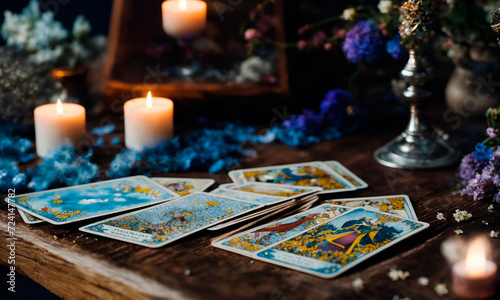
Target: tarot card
{"type": "Point", "coordinates": [76, 203]}
{"type": "Point", "coordinates": [303, 174]}
{"type": "Point", "coordinates": [29, 219]}
{"type": "Point", "coordinates": [251, 241]}
{"type": "Point", "coordinates": [242, 196]}
{"type": "Point", "coordinates": [162, 224]}
{"type": "Point", "coordinates": [261, 212]}
{"type": "Point", "coordinates": [399, 205]}
{"type": "Point", "coordinates": [339, 244]}
{"type": "Point", "coordinates": [184, 186]}
{"type": "Point", "coordinates": [350, 176]}
{"type": "Point", "coordinates": [275, 193]}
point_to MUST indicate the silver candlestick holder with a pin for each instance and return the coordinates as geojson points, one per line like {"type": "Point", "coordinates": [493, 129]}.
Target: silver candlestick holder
{"type": "Point", "coordinates": [419, 146]}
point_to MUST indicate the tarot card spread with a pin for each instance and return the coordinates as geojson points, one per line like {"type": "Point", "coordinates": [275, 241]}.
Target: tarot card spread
{"type": "Point", "coordinates": [303, 174]}
{"type": "Point", "coordinates": [273, 193]}
{"type": "Point", "coordinates": [350, 176]}
{"type": "Point", "coordinates": [249, 242]}
{"type": "Point", "coordinates": [184, 186]}
{"type": "Point", "coordinates": [399, 205]}
{"type": "Point", "coordinates": [162, 224]}
{"type": "Point", "coordinates": [339, 244]}
{"type": "Point", "coordinates": [67, 205]}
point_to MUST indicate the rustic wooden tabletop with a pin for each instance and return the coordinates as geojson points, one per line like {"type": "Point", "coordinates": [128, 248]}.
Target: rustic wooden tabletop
{"type": "Point", "coordinates": [84, 266]}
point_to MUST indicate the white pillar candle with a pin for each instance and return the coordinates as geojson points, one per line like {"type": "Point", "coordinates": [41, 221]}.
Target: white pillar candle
{"type": "Point", "coordinates": [148, 121]}
{"type": "Point", "coordinates": [56, 123]}
{"type": "Point", "coordinates": [183, 18]}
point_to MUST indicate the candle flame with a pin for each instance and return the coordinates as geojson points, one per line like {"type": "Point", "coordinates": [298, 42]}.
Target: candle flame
{"type": "Point", "coordinates": [475, 261]}
{"type": "Point", "coordinates": [182, 5]}
{"type": "Point", "coordinates": [59, 107]}
{"type": "Point", "coordinates": [149, 101]}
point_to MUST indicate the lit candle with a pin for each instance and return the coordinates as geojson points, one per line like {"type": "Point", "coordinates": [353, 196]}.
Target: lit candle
{"type": "Point", "coordinates": [56, 123]}
{"type": "Point", "coordinates": [148, 121]}
{"type": "Point", "coordinates": [183, 18]}
{"type": "Point", "coordinates": [475, 278]}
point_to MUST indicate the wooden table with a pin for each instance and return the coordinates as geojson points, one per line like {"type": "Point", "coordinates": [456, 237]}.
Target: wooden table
{"type": "Point", "coordinates": [95, 267]}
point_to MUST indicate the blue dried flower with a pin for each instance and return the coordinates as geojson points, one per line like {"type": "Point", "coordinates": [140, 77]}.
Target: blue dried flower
{"type": "Point", "coordinates": [364, 42]}
{"type": "Point", "coordinates": [62, 166]}
{"type": "Point", "coordinates": [395, 48]}
{"type": "Point", "coordinates": [483, 152]}
{"type": "Point", "coordinates": [15, 148]}
{"type": "Point", "coordinates": [103, 130]}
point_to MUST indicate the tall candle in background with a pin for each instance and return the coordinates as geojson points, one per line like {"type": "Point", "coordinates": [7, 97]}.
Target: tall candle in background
{"type": "Point", "coordinates": [56, 123]}
{"type": "Point", "coordinates": [183, 18]}
{"type": "Point", "coordinates": [148, 121]}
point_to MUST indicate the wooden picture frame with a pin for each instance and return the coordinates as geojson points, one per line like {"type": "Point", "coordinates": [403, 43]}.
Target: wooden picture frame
{"type": "Point", "coordinates": [132, 24]}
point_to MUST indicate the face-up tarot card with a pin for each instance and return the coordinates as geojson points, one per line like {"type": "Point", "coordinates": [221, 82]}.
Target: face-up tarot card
{"type": "Point", "coordinates": [399, 205]}
{"type": "Point", "coordinates": [76, 203]}
{"type": "Point", "coordinates": [347, 174]}
{"type": "Point", "coordinates": [184, 186]}
{"type": "Point", "coordinates": [162, 224]}
{"type": "Point", "coordinates": [274, 193]}
{"type": "Point", "coordinates": [339, 244]}
{"type": "Point", "coordinates": [303, 174]}
{"type": "Point", "coordinates": [253, 240]}
{"type": "Point", "coordinates": [29, 219]}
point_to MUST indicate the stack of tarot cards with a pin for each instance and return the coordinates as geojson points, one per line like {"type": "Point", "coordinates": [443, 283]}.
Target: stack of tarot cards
{"type": "Point", "coordinates": [329, 239]}
{"type": "Point", "coordinates": [284, 186]}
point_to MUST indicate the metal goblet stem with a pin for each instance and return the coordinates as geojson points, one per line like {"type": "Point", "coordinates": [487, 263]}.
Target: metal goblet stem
{"type": "Point", "coordinates": [418, 147]}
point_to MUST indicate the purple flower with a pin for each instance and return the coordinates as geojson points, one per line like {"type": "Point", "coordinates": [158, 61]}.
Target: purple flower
{"type": "Point", "coordinates": [303, 29]}
{"type": "Point", "coordinates": [469, 167]}
{"type": "Point", "coordinates": [308, 121]}
{"type": "Point", "coordinates": [364, 42]}
{"type": "Point", "coordinates": [395, 48]}
{"type": "Point", "coordinates": [496, 197]}
{"type": "Point", "coordinates": [301, 44]}
{"type": "Point", "coordinates": [319, 38]}
{"type": "Point", "coordinates": [335, 107]}
{"type": "Point", "coordinates": [491, 132]}
{"type": "Point", "coordinates": [483, 152]}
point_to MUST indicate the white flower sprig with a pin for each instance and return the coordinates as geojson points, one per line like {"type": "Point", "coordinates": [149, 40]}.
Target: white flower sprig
{"type": "Point", "coordinates": [348, 14]}
{"type": "Point", "coordinates": [441, 289]}
{"type": "Point", "coordinates": [396, 275]}
{"type": "Point", "coordinates": [440, 216]}
{"type": "Point", "coordinates": [357, 284]}
{"type": "Point", "coordinates": [461, 215]}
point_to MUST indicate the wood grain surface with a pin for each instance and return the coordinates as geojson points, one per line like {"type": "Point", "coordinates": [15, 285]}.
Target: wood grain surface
{"type": "Point", "coordinates": [86, 267]}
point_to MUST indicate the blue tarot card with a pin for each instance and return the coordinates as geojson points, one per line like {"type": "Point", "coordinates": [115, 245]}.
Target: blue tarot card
{"type": "Point", "coordinates": [314, 173]}
{"type": "Point", "coordinates": [339, 244]}
{"type": "Point", "coordinates": [29, 219]}
{"type": "Point", "coordinates": [162, 224]}
{"type": "Point", "coordinates": [76, 203]}
{"type": "Point", "coordinates": [253, 240]}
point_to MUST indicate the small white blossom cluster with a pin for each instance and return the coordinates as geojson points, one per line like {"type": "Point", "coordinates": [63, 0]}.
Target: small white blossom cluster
{"type": "Point", "coordinates": [423, 281]}
{"type": "Point", "coordinates": [396, 275]}
{"type": "Point", "coordinates": [461, 215]}
{"type": "Point", "coordinates": [385, 6]}
{"type": "Point", "coordinates": [252, 70]}
{"type": "Point", "coordinates": [357, 284]}
{"type": "Point", "coordinates": [494, 234]}
{"type": "Point", "coordinates": [348, 14]}
{"type": "Point", "coordinates": [440, 216]}
{"type": "Point", "coordinates": [458, 231]}
{"type": "Point", "coordinates": [441, 289]}
{"type": "Point", "coordinates": [45, 38]}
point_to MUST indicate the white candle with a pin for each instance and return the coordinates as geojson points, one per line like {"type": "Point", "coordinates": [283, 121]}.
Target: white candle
{"type": "Point", "coordinates": [476, 276]}
{"type": "Point", "coordinates": [148, 121]}
{"type": "Point", "coordinates": [183, 18]}
{"type": "Point", "coordinates": [56, 123]}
